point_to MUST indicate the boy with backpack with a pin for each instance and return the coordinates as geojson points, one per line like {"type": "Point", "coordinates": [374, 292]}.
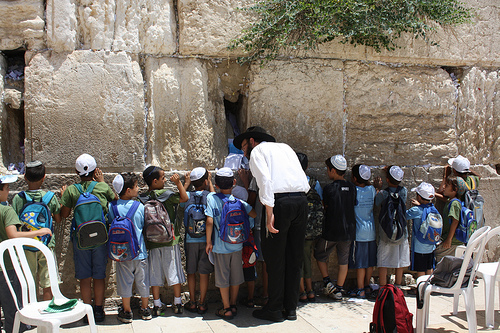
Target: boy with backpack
{"type": "Point", "coordinates": [315, 220]}
{"type": "Point", "coordinates": [89, 199]}
{"type": "Point", "coordinates": [339, 227]}
{"type": "Point", "coordinates": [393, 249]}
{"type": "Point", "coordinates": [230, 219]}
{"type": "Point", "coordinates": [196, 239]}
{"type": "Point", "coordinates": [427, 227]}
{"type": "Point", "coordinates": [127, 216]}
{"type": "Point", "coordinates": [162, 233]}
{"type": "Point", "coordinates": [9, 225]}
{"type": "Point", "coordinates": [37, 209]}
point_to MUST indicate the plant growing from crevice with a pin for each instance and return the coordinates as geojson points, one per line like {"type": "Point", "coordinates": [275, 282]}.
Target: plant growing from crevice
{"type": "Point", "coordinates": [288, 27]}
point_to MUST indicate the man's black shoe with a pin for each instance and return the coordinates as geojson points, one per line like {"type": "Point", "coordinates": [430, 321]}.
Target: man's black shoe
{"type": "Point", "coordinates": [275, 316]}
{"type": "Point", "coordinates": [290, 315]}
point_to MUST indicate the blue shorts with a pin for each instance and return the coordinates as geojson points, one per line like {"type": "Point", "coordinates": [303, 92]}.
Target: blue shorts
{"type": "Point", "coordinates": [363, 254]}
{"type": "Point", "coordinates": [90, 263]}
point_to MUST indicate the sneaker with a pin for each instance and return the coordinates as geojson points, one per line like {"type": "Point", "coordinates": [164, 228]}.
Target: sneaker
{"type": "Point", "coordinates": [158, 310]}
{"type": "Point", "coordinates": [177, 308]}
{"type": "Point", "coordinates": [328, 289]}
{"type": "Point", "coordinates": [337, 293]}
{"type": "Point", "coordinates": [99, 314]}
{"type": "Point", "coordinates": [145, 313]}
{"type": "Point", "coordinates": [125, 317]}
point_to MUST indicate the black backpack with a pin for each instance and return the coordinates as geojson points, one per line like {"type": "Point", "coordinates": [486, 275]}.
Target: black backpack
{"type": "Point", "coordinates": [392, 217]}
{"type": "Point", "coordinates": [316, 213]}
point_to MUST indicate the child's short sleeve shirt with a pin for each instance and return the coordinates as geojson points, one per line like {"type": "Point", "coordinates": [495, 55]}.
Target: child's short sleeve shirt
{"type": "Point", "coordinates": [170, 205]}
{"type": "Point", "coordinates": [101, 190]}
{"type": "Point", "coordinates": [452, 209]}
{"type": "Point", "coordinates": [54, 206]}
{"type": "Point", "coordinates": [415, 214]}
{"type": "Point", "coordinates": [214, 209]}
{"type": "Point", "coordinates": [123, 207]}
{"type": "Point", "coordinates": [8, 217]}
{"type": "Point", "coordinates": [365, 222]}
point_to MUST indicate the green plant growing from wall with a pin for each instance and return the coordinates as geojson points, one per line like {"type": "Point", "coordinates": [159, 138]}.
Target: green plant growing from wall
{"type": "Point", "coordinates": [288, 27]}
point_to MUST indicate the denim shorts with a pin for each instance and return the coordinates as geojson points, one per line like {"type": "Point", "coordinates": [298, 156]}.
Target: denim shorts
{"type": "Point", "coordinates": [90, 263]}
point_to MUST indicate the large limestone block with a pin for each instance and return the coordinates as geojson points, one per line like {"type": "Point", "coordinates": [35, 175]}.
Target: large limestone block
{"type": "Point", "coordinates": [399, 115]}
{"type": "Point", "coordinates": [22, 24]}
{"type": "Point", "coordinates": [300, 103]}
{"type": "Point", "coordinates": [186, 121]}
{"type": "Point", "coordinates": [85, 102]}
{"type": "Point", "coordinates": [478, 118]}
{"type": "Point", "coordinates": [208, 26]}
{"type": "Point", "coordinates": [3, 70]}
{"type": "Point", "coordinates": [134, 26]}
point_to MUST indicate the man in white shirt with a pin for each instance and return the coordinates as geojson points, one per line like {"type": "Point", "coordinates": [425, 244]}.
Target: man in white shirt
{"type": "Point", "coordinates": [282, 190]}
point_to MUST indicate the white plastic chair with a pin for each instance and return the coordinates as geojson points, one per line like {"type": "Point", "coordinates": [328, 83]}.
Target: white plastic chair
{"type": "Point", "coordinates": [476, 245]}
{"type": "Point", "coordinates": [29, 312]}
{"type": "Point", "coordinates": [490, 272]}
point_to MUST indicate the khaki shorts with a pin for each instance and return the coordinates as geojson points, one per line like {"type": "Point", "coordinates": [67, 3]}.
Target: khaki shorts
{"type": "Point", "coordinates": [38, 266]}
{"type": "Point", "coordinates": [324, 248]}
{"type": "Point", "coordinates": [228, 269]}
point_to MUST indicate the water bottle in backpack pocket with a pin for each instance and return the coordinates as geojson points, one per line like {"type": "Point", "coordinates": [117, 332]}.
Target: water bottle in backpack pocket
{"type": "Point", "coordinates": [89, 223]}
{"type": "Point", "coordinates": [157, 225]}
{"type": "Point", "coordinates": [194, 214]}
{"type": "Point", "coordinates": [234, 225]}
{"type": "Point", "coordinates": [36, 215]}
{"type": "Point", "coordinates": [392, 216]}
{"type": "Point", "coordinates": [123, 244]}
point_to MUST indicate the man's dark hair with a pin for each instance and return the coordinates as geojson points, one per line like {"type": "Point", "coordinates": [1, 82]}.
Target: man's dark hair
{"type": "Point", "coordinates": [390, 177]}
{"type": "Point", "coordinates": [357, 176]}
{"type": "Point", "coordinates": [129, 181]}
{"type": "Point", "coordinates": [2, 186]}
{"type": "Point", "coordinates": [304, 161]}
{"type": "Point", "coordinates": [330, 166]}
{"type": "Point", "coordinates": [34, 174]}
{"type": "Point", "coordinates": [199, 182]}
{"type": "Point", "coordinates": [151, 173]}
{"type": "Point", "coordinates": [224, 183]}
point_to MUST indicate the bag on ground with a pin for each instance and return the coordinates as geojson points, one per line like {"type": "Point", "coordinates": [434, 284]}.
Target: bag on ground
{"type": "Point", "coordinates": [316, 213]}
{"type": "Point", "coordinates": [123, 244]}
{"type": "Point", "coordinates": [431, 226]}
{"type": "Point", "coordinates": [157, 225]}
{"type": "Point", "coordinates": [88, 219]}
{"type": "Point", "coordinates": [36, 215]}
{"type": "Point", "coordinates": [234, 225]}
{"type": "Point", "coordinates": [195, 220]}
{"type": "Point", "coordinates": [392, 216]}
{"type": "Point", "coordinates": [391, 313]}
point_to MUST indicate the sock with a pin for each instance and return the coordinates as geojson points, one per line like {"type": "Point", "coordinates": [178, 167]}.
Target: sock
{"type": "Point", "coordinates": [157, 302]}
{"type": "Point", "coordinates": [177, 300]}
{"type": "Point", "coordinates": [326, 280]}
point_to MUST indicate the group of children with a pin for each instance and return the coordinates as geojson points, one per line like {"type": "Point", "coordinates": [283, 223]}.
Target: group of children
{"type": "Point", "coordinates": [362, 244]}
{"type": "Point", "coordinates": [346, 224]}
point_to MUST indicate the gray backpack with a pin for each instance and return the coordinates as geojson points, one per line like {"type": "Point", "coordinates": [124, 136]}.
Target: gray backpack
{"type": "Point", "coordinates": [157, 225]}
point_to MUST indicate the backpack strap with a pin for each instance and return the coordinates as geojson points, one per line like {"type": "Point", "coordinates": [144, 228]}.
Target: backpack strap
{"type": "Point", "coordinates": [114, 208]}
{"type": "Point", "coordinates": [48, 197]}
{"type": "Point", "coordinates": [79, 188]}
{"type": "Point", "coordinates": [24, 196]}
{"type": "Point", "coordinates": [222, 196]}
{"type": "Point", "coordinates": [91, 186]}
{"type": "Point", "coordinates": [132, 210]}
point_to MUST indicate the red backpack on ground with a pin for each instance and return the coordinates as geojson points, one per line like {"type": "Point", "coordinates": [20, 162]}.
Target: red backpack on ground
{"type": "Point", "coordinates": [391, 313]}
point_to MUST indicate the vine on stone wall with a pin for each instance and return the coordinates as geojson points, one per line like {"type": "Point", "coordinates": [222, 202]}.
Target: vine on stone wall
{"type": "Point", "coordinates": [288, 27]}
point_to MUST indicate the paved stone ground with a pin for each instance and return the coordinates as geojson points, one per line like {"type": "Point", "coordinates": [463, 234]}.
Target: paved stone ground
{"type": "Point", "coordinates": [323, 316]}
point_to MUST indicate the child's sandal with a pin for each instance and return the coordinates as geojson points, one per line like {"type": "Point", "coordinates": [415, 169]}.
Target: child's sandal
{"type": "Point", "coordinates": [190, 306]}
{"type": "Point", "coordinates": [202, 308]}
{"type": "Point", "coordinates": [249, 303]}
{"type": "Point", "coordinates": [223, 313]}
{"type": "Point", "coordinates": [303, 297]}
{"type": "Point", "coordinates": [311, 296]}
{"type": "Point", "coordinates": [234, 309]}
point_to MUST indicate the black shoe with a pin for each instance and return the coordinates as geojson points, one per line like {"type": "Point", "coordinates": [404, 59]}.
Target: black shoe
{"type": "Point", "coordinates": [275, 316]}
{"type": "Point", "coordinates": [145, 313]}
{"type": "Point", "coordinates": [99, 314]}
{"type": "Point", "coordinates": [125, 317]}
{"type": "Point", "coordinates": [290, 315]}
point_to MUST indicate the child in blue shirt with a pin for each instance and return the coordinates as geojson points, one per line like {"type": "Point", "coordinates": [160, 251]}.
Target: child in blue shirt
{"type": "Point", "coordinates": [126, 185]}
{"type": "Point", "coordinates": [226, 256]}
{"type": "Point", "coordinates": [422, 255]}
{"type": "Point", "coordinates": [363, 253]}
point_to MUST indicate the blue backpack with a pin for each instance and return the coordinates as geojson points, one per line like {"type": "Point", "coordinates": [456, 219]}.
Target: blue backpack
{"type": "Point", "coordinates": [194, 214]}
{"type": "Point", "coordinates": [431, 227]}
{"type": "Point", "coordinates": [123, 244]}
{"type": "Point", "coordinates": [89, 223]}
{"type": "Point", "coordinates": [234, 225]}
{"type": "Point", "coordinates": [36, 215]}
{"type": "Point", "coordinates": [467, 224]}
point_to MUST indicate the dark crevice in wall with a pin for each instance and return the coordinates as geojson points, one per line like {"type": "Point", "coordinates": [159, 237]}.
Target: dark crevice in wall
{"type": "Point", "coordinates": [234, 116]}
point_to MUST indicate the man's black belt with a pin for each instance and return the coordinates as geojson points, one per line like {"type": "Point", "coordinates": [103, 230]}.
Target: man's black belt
{"type": "Point", "coordinates": [289, 194]}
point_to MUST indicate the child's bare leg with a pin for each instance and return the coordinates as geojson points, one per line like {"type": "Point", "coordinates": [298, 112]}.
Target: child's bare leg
{"type": "Point", "coordinates": [191, 279]}
{"type": "Point", "coordinates": [301, 286]}
{"type": "Point", "coordinates": [47, 294]}
{"type": "Point", "coordinates": [203, 286]}
{"type": "Point", "coordinates": [360, 277]}
{"type": "Point", "coordinates": [308, 284]}
{"type": "Point", "coordinates": [251, 289]}
{"type": "Point", "coordinates": [382, 275]}
{"type": "Point", "coordinates": [323, 268]}
{"type": "Point", "coordinates": [86, 290]}
{"type": "Point", "coordinates": [126, 304]}
{"type": "Point", "coordinates": [399, 275]}
{"type": "Point", "coordinates": [368, 275]}
{"type": "Point", "coordinates": [234, 294]}
{"type": "Point", "coordinates": [144, 302]}
{"type": "Point", "coordinates": [419, 274]}
{"type": "Point", "coordinates": [177, 290]}
{"type": "Point", "coordinates": [99, 289]}
{"type": "Point", "coordinates": [428, 272]}
{"type": "Point", "coordinates": [156, 292]}
{"type": "Point", "coordinates": [224, 294]}
{"type": "Point", "coordinates": [342, 274]}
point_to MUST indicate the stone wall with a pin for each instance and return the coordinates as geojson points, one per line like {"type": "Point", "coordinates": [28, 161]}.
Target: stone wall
{"type": "Point", "coordinates": [149, 82]}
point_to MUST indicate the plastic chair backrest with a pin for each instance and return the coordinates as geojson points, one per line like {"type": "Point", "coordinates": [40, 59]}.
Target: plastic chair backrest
{"type": "Point", "coordinates": [475, 246]}
{"type": "Point", "coordinates": [495, 232]}
{"type": "Point", "coordinates": [20, 263]}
